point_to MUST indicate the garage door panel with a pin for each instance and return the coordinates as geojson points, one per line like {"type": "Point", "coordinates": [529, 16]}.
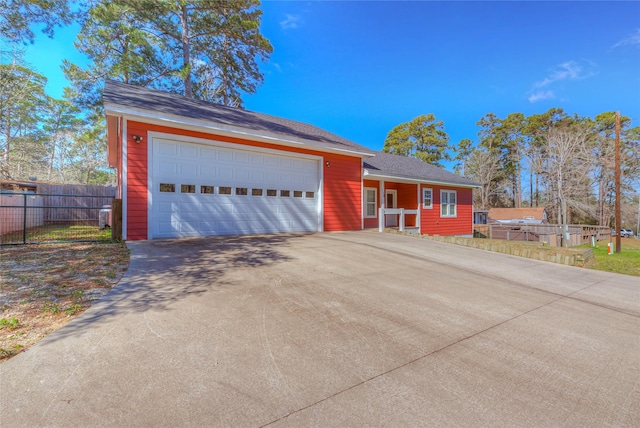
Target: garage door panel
{"type": "Point", "coordinates": [241, 157]}
{"type": "Point", "coordinates": [188, 171]}
{"type": "Point", "coordinates": [206, 153]}
{"type": "Point", "coordinates": [225, 155]}
{"type": "Point", "coordinates": [224, 209]}
{"type": "Point", "coordinates": [271, 161]}
{"type": "Point", "coordinates": [188, 151]}
{"type": "Point", "coordinates": [241, 176]}
{"type": "Point", "coordinates": [225, 173]}
{"type": "Point", "coordinates": [208, 227]}
{"type": "Point", "coordinates": [166, 148]}
{"type": "Point", "coordinates": [285, 163]}
{"type": "Point", "coordinates": [167, 168]}
{"type": "Point", "coordinates": [176, 214]}
{"type": "Point", "coordinates": [257, 176]}
{"type": "Point", "coordinates": [256, 159]}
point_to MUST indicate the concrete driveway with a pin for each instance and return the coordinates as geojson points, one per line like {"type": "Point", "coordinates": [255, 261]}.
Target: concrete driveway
{"type": "Point", "coordinates": [342, 329]}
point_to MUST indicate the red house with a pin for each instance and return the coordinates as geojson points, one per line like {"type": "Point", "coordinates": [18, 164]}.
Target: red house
{"type": "Point", "coordinates": [191, 168]}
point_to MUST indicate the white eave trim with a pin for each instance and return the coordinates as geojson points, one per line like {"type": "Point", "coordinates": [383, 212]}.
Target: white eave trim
{"type": "Point", "coordinates": [396, 179]}
{"type": "Point", "coordinates": [181, 122]}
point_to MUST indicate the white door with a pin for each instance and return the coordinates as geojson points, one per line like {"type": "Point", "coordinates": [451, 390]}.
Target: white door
{"type": "Point", "coordinates": [390, 200]}
{"type": "Point", "coordinates": [202, 189]}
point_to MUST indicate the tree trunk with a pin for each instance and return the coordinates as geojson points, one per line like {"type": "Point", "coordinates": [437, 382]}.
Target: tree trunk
{"type": "Point", "coordinates": [565, 224]}
{"type": "Point", "coordinates": [8, 141]}
{"type": "Point", "coordinates": [186, 53]}
{"type": "Point", "coordinates": [51, 159]}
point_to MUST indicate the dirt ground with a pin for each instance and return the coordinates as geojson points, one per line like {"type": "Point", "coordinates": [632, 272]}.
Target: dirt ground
{"type": "Point", "coordinates": [43, 287]}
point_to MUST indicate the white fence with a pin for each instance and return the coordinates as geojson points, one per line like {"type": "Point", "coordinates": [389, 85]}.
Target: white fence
{"type": "Point", "coordinates": [12, 216]}
{"type": "Point", "coordinates": [400, 212]}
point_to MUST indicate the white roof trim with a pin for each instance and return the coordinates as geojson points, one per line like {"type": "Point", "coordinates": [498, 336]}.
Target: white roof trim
{"type": "Point", "coordinates": [368, 174]}
{"type": "Point", "coordinates": [176, 121]}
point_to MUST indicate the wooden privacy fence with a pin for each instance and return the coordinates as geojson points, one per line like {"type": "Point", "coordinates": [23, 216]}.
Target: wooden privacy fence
{"type": "Point", "coordinates": [550, 234]}
{"type": "Point", "coordinates": [37, 217]}
{"type": "Point", "coordinates": [16, 212]}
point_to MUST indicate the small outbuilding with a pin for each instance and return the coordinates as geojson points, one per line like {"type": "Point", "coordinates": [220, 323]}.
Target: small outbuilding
{"type": "Point", "coordinates": [533, 215]}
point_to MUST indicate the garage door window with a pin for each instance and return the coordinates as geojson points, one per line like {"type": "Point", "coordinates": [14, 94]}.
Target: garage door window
{"type": "Point", "coordinates": [207, 190]}
{"type": "Point", "coordinates": [285, 193]}
{"type": "Point", "coordinates": [224, 190]}
{"type": "Point", "coordinates": [241, 191]}
{"type": "Point", "coordinates": [167, 188]}
{"type": "Point", "coordinates": [297, 193]}
{"type": "Point", "coordinates": [256, 192]}
{"type": "Point", "coordinates": [272, 192]}
{"type": "Point", "coordinates": [310, 195]}
{"type": "Point", "coordinates": [187, 188]}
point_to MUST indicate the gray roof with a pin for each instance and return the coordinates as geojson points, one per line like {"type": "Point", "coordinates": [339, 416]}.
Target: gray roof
{"type": "Point", "coordinates": [387, 164]}
{"type": "Point", "coordinates": [160, 102]}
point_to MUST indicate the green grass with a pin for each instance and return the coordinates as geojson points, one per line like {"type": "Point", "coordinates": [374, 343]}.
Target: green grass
{"type": "Point", "coordinates": [10, 323]}
{"type": "Point", "coordinates": [58, 232]}
{"type": "Point", "coordinates": [626, 262]}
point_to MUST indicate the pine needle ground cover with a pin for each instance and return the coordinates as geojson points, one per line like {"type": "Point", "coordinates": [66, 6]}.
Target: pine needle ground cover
{"type": "Point", "coordinates": [43, 287]}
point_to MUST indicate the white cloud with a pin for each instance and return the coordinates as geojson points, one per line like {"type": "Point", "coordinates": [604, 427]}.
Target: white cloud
{"type": "Point", "coordinates": [567, 71]}
{"type": "Point", "coordinates": [541, 95]}
{"type": "Point", "coordinates": [290, 22]}
{"type": "Point", "coordinates": [632, 40]}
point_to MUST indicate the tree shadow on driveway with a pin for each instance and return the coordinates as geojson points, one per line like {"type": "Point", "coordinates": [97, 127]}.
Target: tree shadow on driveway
{"type": "Point", "coordinates": [166, 271]}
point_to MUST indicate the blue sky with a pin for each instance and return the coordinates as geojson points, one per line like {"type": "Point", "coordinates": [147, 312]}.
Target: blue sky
{"type": "Point", "coordinates": [359, 68]}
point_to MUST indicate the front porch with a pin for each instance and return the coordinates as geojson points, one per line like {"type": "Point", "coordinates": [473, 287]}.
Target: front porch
{"type": "Point", "coordinates": [394, 205]}
{"type": "Point", "coordinates": [397, 219]}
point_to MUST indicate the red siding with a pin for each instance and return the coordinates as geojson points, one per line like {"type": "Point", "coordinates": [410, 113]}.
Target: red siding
{"type": "Point", "coordinates": [433, 224]}
{"type": "Point", "coordinates": [342, 201]}
{"type": "Point", "coordinates": [342, 193]}
{"type": "Point", "coordinates": [137, 182]}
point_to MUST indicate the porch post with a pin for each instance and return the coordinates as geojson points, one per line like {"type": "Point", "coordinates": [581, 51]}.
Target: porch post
{"type": "Point", "coordinates": [401, 219]}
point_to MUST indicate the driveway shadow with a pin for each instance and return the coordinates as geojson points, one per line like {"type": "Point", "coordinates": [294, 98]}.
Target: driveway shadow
{"type": "Point", "coordinates": [165, 271]}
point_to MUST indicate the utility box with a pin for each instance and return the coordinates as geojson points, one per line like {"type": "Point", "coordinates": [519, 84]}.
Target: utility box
{"type": "Point", "coordinates": [105, 218]}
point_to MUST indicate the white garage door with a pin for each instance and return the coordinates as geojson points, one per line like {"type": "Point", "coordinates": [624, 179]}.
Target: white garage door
{"type": "Point", "coordinates": [200, 190]}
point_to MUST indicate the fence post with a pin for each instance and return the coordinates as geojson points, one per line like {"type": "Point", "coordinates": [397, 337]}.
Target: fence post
{"type": "Point", "coordinates": [116, 219]}
{"type": "Point", "coordinates": [24, 219]}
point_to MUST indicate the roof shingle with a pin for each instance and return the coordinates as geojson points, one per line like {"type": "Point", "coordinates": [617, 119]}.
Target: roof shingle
{"type": "Point", "coordinates": [153, 100]}
{"type": "Point", "coordinates": [403, 167]}
{"type": "Point", "coordinates": [118, 94]}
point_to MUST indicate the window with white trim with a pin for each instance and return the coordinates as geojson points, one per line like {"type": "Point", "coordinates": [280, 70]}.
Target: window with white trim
{"type": "Point", "coordinates": [447, 203]}
{"type": "Point", "coordinates": [427, 199]}
{"type": "Point", "coordinates": [370, 202]}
